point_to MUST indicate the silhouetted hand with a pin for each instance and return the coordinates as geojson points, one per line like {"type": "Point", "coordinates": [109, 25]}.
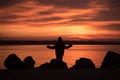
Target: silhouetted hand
{"type": "Point", "coordinates": [70, 45]}
{"type": "Point", "coordinates": [47, 46]}
{"type": "Point", "coordinates": [50, 47]}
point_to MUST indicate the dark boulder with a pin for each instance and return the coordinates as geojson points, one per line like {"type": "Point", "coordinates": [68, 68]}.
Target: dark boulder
{"type": "Point", "coordinates": [111, 60]}
{"type": "Point", "coordinates": [83, 63]}
{"type": "Point", "coordinates": [45, 66]}
{"type": "Point", "coordinates": [54, 64]}
{"type": "Point", "coordinates": [58, 64]}
{"type": "Point", "coordinates": [13, 62]}
{"type": "Point", "coordinates": [28, 62]}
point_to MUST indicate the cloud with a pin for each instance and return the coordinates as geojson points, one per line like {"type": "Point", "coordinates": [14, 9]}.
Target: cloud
{"type": "Point", "coordinates": [111, 15]}
{"type": "Point", "coordinates": [7, 3]}
{"type": "Point", "coordinates": [82, 4]}
{"type": "Point", "coordinates": [113, 4]}
{"type": "Point", "coordinates": [10, 19]}
{"type": "Point", "coordinates": [68, 10]}
{"type": "Point", "coordinates": [11, 16]}
{"type": "Point", "coordinates": [113, 27]}
{"type": "Point", "coordinates": [51, 19]}
{"type": "Point", "coordinates": [46, 12]}
{"type": "Point", "coordinates": [111, 12]}
{"type": "Point", "coordinates": [45, 19]}
{"type": "Point", "coordinates": [7, 22]}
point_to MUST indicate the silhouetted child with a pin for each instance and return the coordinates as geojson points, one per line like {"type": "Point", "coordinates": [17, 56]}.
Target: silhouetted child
{"type": "Point", "coordinates": [59, 48]}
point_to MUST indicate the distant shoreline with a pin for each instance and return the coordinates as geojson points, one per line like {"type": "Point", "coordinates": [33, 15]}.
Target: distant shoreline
{"type": "Point", "coordinates": [52, 42]}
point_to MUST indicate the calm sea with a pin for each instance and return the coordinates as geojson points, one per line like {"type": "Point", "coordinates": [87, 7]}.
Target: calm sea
{"type": "Point", "coordinates": [41, 54]}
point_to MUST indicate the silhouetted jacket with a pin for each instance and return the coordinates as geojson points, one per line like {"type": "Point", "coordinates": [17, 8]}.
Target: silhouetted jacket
{"type": "Point", "coordinates": [59, 48]}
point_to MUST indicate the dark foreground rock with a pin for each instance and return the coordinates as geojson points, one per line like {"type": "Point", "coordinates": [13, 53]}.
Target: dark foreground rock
{"type": "Point", "coordinates": [81, 74]}
{"type": "Point", "coordinates": [13, 62]}
{"type": "Point", "coordinates": [28, 62]}
{"type": "Point", "coordinates": [111, 60]}
{"type": "Point", "coordinates": [83, 63]}
{"type": "Point", "coordinates": [54, 64]}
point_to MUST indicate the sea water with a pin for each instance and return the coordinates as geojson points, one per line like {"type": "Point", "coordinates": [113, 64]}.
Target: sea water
{"type": "Point", "coordinates": [41, 54]}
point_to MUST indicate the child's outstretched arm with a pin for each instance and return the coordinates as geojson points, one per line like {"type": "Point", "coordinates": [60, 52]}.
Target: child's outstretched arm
{"type": "Point", "coordinates": [68, 46]}
{"type": "Point", "coordinates": [50, 47]}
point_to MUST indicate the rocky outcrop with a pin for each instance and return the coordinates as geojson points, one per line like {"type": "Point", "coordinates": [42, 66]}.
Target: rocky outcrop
{"type": "Point", "coordinates": [28, 62]}
{"type": "Point", "coordinates": [83, 63]}
{"type": "Point", "coordinates": [111, 60]}
{"type": "Point", "coordinates": [54, 64]}
{"type": "Point", "coordinates": [13, 62]}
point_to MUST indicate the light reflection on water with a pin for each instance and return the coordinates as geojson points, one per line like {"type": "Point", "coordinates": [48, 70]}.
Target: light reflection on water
{"type": "Point", "coordinates": [41, 54]}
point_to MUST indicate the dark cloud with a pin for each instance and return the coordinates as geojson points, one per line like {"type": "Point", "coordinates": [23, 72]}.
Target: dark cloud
{"type": "Point", "coordinates": [7, 22]}
{"type": "Point", "coordinates": [51, 19]}
{"type": "Point", "coordinates": [67, 3]}
{"type": "Point", "coordinates": [112, 13]}
{"type": "Point", "coordinates": [114, 27]}
{"type": "Point", "coordinates": [7, 3]}
{"type": "Point", "coordinates": [44, 19]}
{"type": "Point", "coordinates": [77, 20]}
{"type": "Point", "coordinates": [51, 11]}
{"type": "Point", "coordinates": [80, 18]}
{"type": "Point", "coordinates": [10, 19]}
{"type": "Point", "coordinates": [113, 4]}
{"type": "Point", "coordinates": [22, 9]}
{"type": "Point", "coordinates": [46, 12]}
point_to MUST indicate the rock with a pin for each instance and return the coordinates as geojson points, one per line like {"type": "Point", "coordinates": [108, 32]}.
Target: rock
{"type": "Point", "coordinates": [83, 63]}
{"type": "Point", "coordinates": [28, 62]}
{"type": "Point", "coordinates": [45, 66]}
{"type": "Point", "coordinates": [54, 64]}
{"type": "Point", "coordinates": [58, 64]}
{"type": "Point", "coordinates": [13, 62]}
{"type": "Point", "coordinates": [111, 60]}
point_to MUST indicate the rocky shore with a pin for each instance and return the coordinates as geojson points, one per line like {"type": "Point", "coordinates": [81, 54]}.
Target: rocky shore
{"type": "Point", "coordinates": [83, 69]}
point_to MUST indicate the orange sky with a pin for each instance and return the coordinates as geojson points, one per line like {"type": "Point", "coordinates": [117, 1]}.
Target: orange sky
{"type": "Point", "coordinates": [71, 19]}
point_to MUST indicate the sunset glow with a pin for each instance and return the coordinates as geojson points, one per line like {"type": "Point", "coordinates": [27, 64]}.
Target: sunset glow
{"type": "Point", "coordinates": [71, 19]}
